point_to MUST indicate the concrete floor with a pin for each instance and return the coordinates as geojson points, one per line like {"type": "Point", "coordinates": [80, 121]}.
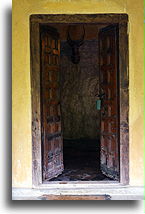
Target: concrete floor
{"type": "Point", "coordinates": [113, 193]}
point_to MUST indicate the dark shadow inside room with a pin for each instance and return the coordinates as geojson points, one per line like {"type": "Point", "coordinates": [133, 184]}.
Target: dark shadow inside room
{"type": "Point", "coordinates": [79, 86]}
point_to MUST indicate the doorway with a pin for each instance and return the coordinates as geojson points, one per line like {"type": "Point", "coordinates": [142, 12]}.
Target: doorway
{"type": "Point", "coordinates": [79, 121]}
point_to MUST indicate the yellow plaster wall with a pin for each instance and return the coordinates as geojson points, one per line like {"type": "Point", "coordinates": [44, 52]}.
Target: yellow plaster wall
{"type": "Point", "coordinates": [21, 98]}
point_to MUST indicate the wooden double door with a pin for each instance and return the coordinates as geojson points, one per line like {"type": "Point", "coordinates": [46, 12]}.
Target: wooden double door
{"type": "Point", "coordinates": [52, 139]}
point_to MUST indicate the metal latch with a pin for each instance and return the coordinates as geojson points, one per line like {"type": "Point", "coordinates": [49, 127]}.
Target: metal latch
{"type": "Point", "coordinates": [98, 104]}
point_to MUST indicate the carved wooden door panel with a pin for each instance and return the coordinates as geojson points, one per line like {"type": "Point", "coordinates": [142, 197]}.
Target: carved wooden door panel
{"type": "Point", "coordinates": [109, 93]}
{"type": "Point", "coordinates": [52, 148]}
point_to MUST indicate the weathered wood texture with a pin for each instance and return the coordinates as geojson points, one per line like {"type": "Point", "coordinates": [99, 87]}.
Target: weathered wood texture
{"type": "Point", "coordinates": [122, 20]}
{"type": "Point", "coordinates": [52, 146]}
{"type": "Point", "coordinates": [109, 95]}
{"type": "Point", "coordinates": [124, 103]}
{"type": "Point", "coordinates": [75, 197]}
{"type": "Point", "coordinates": [79, 18]}
{"type": "Point", "coordinates": [35, 100]}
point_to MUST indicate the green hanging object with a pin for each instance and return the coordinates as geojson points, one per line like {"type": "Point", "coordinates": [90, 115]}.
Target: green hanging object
{"type": "Point", "coordinates": [98, 104]}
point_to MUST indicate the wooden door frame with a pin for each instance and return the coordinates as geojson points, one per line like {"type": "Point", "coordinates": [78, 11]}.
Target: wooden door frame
{"type": "Point", "coordinates": [35, 22]}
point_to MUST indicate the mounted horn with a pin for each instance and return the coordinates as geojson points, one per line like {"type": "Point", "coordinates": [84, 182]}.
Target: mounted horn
{"type": "Point", "coordinates": [75, 44]}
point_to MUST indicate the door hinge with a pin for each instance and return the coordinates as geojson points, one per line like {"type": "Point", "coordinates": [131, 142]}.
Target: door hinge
{"type": "Point", "coordinates": [42, 133]}
{"type": "Point", "coordinates": [42, 129]}
{"type": "Point", "coordinates": [128, 28]}
{"type": "Point", "coordinates": [127, 72]}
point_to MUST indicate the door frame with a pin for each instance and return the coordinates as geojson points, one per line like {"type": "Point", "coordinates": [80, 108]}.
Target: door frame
{"type": "Point", "coordinates": [35, 21]}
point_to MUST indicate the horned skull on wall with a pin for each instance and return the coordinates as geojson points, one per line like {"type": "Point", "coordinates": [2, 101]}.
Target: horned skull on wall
{"type": "Point", "coordinates": [75, 44]}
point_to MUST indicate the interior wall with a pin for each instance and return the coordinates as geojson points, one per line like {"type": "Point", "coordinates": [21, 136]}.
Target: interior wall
{"type": "Point", "coordinates": [79, 87]}
{"type": "Point", "coordinates": [21, 98]}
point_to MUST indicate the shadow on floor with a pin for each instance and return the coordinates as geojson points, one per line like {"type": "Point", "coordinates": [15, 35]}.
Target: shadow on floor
{"type": "Point", "coordinates": [81, 161]}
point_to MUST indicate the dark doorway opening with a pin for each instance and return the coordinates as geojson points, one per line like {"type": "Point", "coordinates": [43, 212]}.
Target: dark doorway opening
{"type": "Point", "coordinates": [79, 138]}
{"type": "Point", "coordinates": [48, 125]}
{"type": "Point", "coordinates": [81, 161]}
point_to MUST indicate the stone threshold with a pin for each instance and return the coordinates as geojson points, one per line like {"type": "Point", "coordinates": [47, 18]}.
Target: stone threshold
{"type": "Point", "coordinates": [113, 193]}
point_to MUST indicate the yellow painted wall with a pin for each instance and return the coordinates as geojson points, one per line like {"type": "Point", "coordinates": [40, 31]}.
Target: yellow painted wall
{"type": "Point", "coordinates": [21, 99]}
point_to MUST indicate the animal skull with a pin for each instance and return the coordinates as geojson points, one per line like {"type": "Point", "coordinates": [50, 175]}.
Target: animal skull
{"type": "Point", "coordinates": [75, 44]}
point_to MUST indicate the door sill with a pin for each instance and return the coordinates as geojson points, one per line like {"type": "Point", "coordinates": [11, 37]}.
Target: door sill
{"type": "Point", "coordinates": [78, 184]}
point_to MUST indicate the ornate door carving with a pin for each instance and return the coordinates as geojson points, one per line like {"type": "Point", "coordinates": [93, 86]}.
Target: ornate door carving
{"type": "Point", "coordinates": [109, 92]}
{"type": "Point", "coordinates": [52, 148]}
